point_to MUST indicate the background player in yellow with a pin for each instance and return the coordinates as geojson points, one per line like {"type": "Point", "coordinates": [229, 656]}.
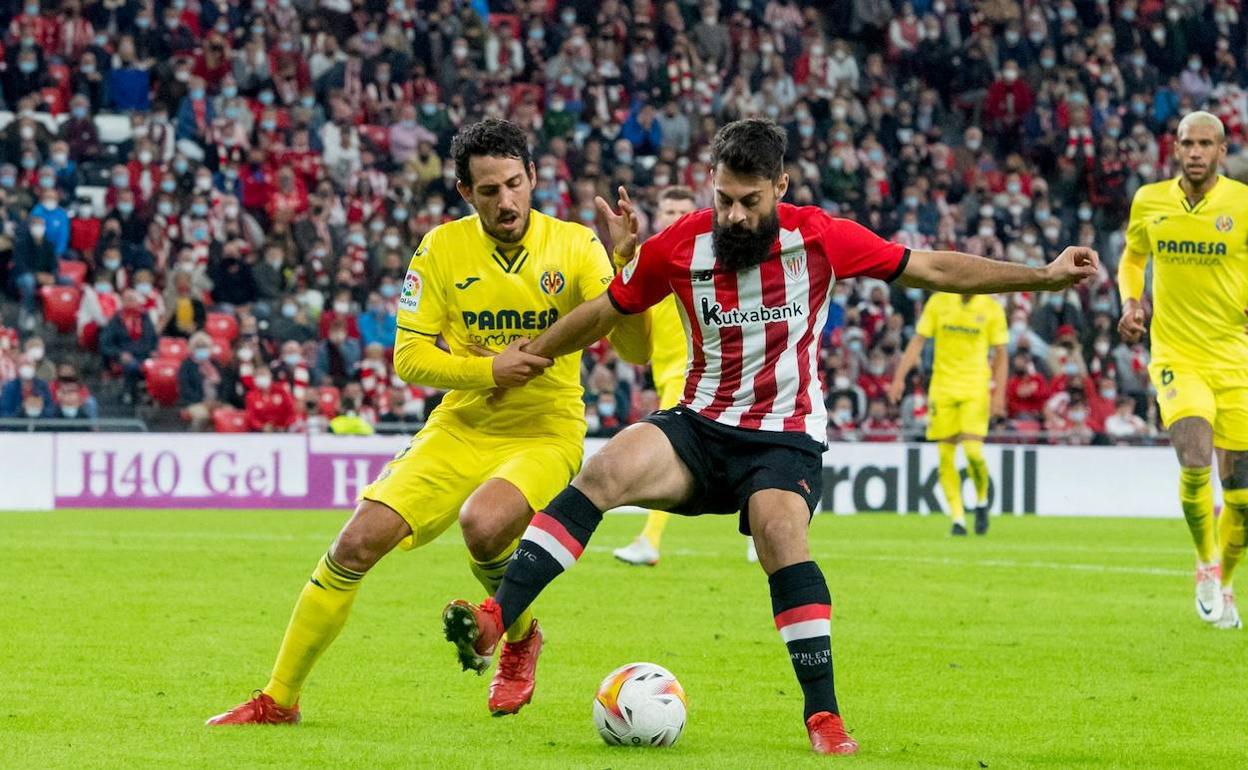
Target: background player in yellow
{"type": "Point", "coordinates": [669, 345]}
{"type": "Point", "coordinates": [1195, 228]}
{"type": "Point", "coordinates": [964, 391]}
{"type": "Point", "coordinates": [505, 440]}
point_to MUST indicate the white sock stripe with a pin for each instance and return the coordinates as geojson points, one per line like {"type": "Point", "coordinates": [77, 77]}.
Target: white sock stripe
{"type": "Point", "coordinates": [551, 545]}
{"type": "Point", "coordinates": [806, 629]}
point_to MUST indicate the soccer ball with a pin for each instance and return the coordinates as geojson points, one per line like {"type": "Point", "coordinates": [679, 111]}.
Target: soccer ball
{"type": "Point", "coordinates": [640, 704]}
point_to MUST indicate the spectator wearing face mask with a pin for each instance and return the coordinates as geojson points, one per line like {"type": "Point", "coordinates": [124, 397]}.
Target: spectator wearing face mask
{"type": "Point", "coordinates": [34, 265]}
{"type": "Point", "coordinates": [185, 313]}
{"type": "Point", "coordinates": [71, 407]}
{"type": "Point", "coordinates": [202, 383]}
{"type": "Point", "coordinates": [1124, 426]}
{"type": "Point", "coordinates": [34, 349]}
{"type": "Point", "coordinates": [14, 394]}
{"type": "Point", "coordinates": [55, 220]}
{"type": "Point", "coordinates": [128, 341]}
{"type": "Point", "coordinates": [340, 310]}
{"type": "Point", "coordinates": [269, 405]}
{"type": "Point", "coordinates": [291, 370]}
{"type": "Point", "coordinates": [378, 322]}
{"type": "Point", "coordinates": [232, 281]}
{"type": "Point", "coordinates": [270, 274]}
{"type": "Point", "coordinates": [1066, 355]}
{"type": "Point", "coordinates": [291, 323]}
{"type": "Point", "coordinates": [79, 131]}
{"type": "Point", "coordinates": [1026, 390]}
{"type": "Point", "coordinates": [878, 425]}
{"type": "Point", "coordinates": [338, 356]}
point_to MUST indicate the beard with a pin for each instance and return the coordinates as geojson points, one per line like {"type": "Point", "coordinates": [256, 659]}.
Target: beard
{"type": "Point", "coordinates": [738, 248]}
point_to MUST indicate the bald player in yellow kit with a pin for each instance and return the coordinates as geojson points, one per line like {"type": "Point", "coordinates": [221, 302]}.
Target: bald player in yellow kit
{"type": "Point", "coordinates": [964, 393]}
{"type": "Point", "coordinates": [667, 365]}
{"type": "Point", "coordinates": [1195, 228]}
{"type": "Point", "coordinates": [507, 438]}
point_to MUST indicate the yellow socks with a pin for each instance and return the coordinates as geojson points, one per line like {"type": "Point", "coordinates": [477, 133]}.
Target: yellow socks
{"type": "Point", "coordinates": [977, 469]}
{"type": "Point", "coordinates": [1231, 530]}
{"type": "Point", "coordinates": [319, 615]}
{"type": "Point", "coordinates": [950, 481]}
{"type": "Point", "coordinates": [490, 575]}
{"type": "Point", "coordinates": [1196, 496]}
{"type": "Point", "coordinates": [656, 522]}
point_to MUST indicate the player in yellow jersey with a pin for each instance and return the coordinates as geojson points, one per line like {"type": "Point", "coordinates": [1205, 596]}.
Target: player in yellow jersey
{"type": "Point", "coordinates": [964, 390]}
{"type": "Point", "coordinates": [1195, 228]}
{"type": "Point", "coordinates": [506, 439]}
{"type": "Point", "coordinates": [667, 365]}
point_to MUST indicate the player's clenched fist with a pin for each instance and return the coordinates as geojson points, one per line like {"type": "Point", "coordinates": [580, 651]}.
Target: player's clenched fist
{"type": "Point", "coordinates": [513, 367]}
{"type": "Point", "coordinates": [1074, 264]}
{"type": "Point", "coordinates": [1131, 325]}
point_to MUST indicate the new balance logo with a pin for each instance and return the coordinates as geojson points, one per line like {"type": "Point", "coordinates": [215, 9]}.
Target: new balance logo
{"type": "Point", "coordinates": [470, 280]}
{"type": "Point", "coordinates": [714, 314]}
{"type": "Point", "coordinates": [703, 275]}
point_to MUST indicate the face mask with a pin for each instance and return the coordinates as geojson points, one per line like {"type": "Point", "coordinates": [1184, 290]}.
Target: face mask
{"type": "Point", "coordinates": [292, 359]}
{"type": "Point", "coordinates": [308, 101]}
{"type": "Point", "coordinates": [180, 166]}
{"type": "Point", "coordinates": [26, 372]}
{"type": "Point", "coordinates": [7, 181]}
{"type": "Point", "coordinates": [1085, 214]}
{"type": "Point", "coordinates": [125, 208]}
{"type": "Point", "coordinates": [1071, 369]}
{"type": "Point", "coordinates": [263, 383]}
{"type": "Point", "coordinates": [337, 339]}
{"type": "Point", "coordinates": [200, 234]}
{"type": "Point", "coordinates": [103, 287]}
{"type": "Point", "coordinates": [121, 181]}
{"type": "Point", "coordinates": [1194, 65]}
{"type": "Point", "coordinates": [203, 183]}
{"type": "Point", "coordinates": [37, 231]}
{"type": "Point", "coordinates": [33, 411]}
{"type": "Point", "coordinates": [388, 290]}
{"type": "Point", "coordinates": [356, 239]}
{"type": "Point", "coordinates": [27, 66]}
{"type": "Point", "coordinates": [1077, 415]}
{"type": "Point", "coordinates": [1042, 215]}
{"type": "Point", "coordinates": [342, 308]}
{"type": "Point", "coordinates": [1159, 35]}
{"type": "Point", "coordinates": [910, 227]}
{"type": "Point", "coordinates": [28, 163]}
{"type": "Point", "coordinates": [1029, 239]}
{"type": "Point", "coordinates": [392, 241]}
{"type": "Point", "coordinates": [1009, 76]}
{"type": "Point", "coordinates": [986, 232]}
{"type": "Point", "coordinates": [268, 124]}
{"type": "Point", "coordinates": [245, 354]}
{"type": "Point", "coordinates": [60, 158]}
{"type": "Point", "coordinates": [972, 145]}
{"type": "Point", "coordinates": [231, 113]}
{"type": "Point", "coordinates": [112, 264]}
{"type": "Point", "coordinates": [875, 155]}
{"type": "Point", "coordinates": [196, 94]}
{"type": "Point", "coordinates": [84, 212]}
{"type": "Point", "coordinates": [842, 416]}
{"type": "Point", "coordinates": [202, 354]}
{"type": "Point", "coordinates": [199, 209]}
{"type": "Point", "coordinates": [165, 208]}
{"type": "Point", "coordinates": [69, 411]}
{"type": "Point", "coordinates": [143, 288]}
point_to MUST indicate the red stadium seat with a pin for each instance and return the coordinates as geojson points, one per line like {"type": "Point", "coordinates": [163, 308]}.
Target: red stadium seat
{"type": "Point", "coordinates": [329, 399]}
{"type": "Point", "coordinates": [89, 337]}
{"type": "Point", "coordinates": [73, 270]}
{"type": "Point", "coordinates": [174, 348]}
{"type": "Point", "coordinates": [60, 306]}
{"type": "Point", "coordinates": [221, 326]}
{"type": "Point", "coordinates": [162, 380]}
{"type": "Point", "coordinates": [221, 352]}
{"type": "Point", "coordinates": [229, 420]}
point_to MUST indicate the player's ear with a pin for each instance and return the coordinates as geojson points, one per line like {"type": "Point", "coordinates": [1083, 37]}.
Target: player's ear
{"type": "Point", "coordinates": [532, 174]}
{"type": "Point", "coordinates": [465, 192]}
{"type": "Point", "coordinates": [782, 185]}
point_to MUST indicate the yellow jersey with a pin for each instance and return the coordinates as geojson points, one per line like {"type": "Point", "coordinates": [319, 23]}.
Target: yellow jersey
{"type": "Point", "coordinates": [463, 285]}
{"type": "Point", "coordinates": [1200, 271]}
{"type": "Point", "coordinates": [963, 333]}
{"type": "Point", "coordinates": [669, 355]}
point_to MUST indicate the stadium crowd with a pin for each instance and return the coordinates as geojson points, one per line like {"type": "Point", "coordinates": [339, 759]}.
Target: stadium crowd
{"type": "Point", "coordinates": [217, 201]}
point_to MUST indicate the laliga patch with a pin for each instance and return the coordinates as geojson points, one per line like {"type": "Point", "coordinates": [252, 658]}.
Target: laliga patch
{"type": "Point", "coordinates": [627, 273]}
{"type": "Point", "coordinates": [409, 300]}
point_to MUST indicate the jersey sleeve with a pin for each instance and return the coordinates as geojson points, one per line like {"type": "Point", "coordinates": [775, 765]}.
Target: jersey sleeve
{"type": "Point", "coordinates": [593, 268]}
{"type": "Point", "coordinates": [643, 282]}
{"type": "Point", "coordinates": [998, 331]}
{"type": "Point", "coordinates": [422, 303]}
{"type": "Point", "coordinates": [927, 319]}
{"type": "Point", "coordinates": [1137, 225]}
{"type": "Point", "coordinates": [853, 250]}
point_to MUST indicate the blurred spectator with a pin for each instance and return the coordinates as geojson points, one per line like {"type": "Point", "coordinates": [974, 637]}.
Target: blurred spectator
{"type": "Point", "coordinates": [185, 313]}
{"type": "Point", "coordinates": [34, 265]}
{"type": "Point", "coordinates": [1026, 390]}
{"type": "Point", "coordinates": [1124, 425]}
{"type": "Point", "coordinates": [878, 426]}
{"type": "Point", "coordinates": [841, 423]}
{"type": "Point", "coordinates": [128, 341]}
{"type": "Point", "coordinates": [70, 407]}
{"type": "Point", "coordinates": [269, 405]}
{"type": "Point", "coordinates": [379, 322]}
{"type": "Point", "coordinates": [338, 357]}
{"type": "Point", "coordinates": [15, 393]}
{"type": "Point", "coordinates": [202, 383]}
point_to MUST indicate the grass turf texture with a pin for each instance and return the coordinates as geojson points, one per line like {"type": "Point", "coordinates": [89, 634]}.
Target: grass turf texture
{"type": "Point", "coordinates": [1051, 643]}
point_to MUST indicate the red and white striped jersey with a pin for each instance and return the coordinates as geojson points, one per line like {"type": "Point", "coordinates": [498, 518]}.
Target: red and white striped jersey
{"type": "Point", "coordinates": [753, 335]}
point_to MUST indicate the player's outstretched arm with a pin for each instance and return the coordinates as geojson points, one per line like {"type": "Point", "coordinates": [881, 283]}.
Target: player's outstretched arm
{"type": "Point", "coordinates": [419, 361]}
{"type": "Point", "coordinates": [909, 358]}
{"type": "Point", "coordinates": [960, 273]}
{"type": "Point", "coordinates": [631, 338]}
{"type": "Point", "coordinates": [588, 323]}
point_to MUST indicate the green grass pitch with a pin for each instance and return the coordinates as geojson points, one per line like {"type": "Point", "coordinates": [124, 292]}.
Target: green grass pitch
{"type": "Point", "coordinates": [1055, 643]}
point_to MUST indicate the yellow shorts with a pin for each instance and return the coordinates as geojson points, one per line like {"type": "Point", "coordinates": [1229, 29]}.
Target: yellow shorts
{"type": "Point", "coordinates": [953, 416]}
{"type": "Point", "coordinates": [428, 482]}
{"type": "Point", "coordinates": [1218, 396]}
{"type": "Point", "coordinates": [670, 392]}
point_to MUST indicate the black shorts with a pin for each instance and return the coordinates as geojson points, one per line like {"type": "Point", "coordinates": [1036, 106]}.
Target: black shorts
{"type": "Point", "coordinates": [731, 464]}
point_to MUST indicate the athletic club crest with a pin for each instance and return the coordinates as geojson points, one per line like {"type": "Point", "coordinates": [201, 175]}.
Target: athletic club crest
{"type": "Point", "coordinates": [1224, 224]}
{"type": "Point", "coordinates": [552, 282]}
{"type": "Point", "coordinates": [412, 287]}
{"type": "Point", "coordinates": [794, 265]}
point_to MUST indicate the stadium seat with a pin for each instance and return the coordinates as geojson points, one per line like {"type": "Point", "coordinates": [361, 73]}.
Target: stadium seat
{"type": "Point", "coordinates": [60, 306]}
{"type": "Point", "coordinates": [221, 352]}
{"type": "Point", "coordinates": [89, 337]}
{"type": "Point", "coordinates": [329, 399]}
{"type": "Point", "coordinates": [229, 420]}
{"type": "Point", "coordinates": [221, 326]}
{"type": "Point", "coordinates": [162, 380]}
{"type": "Point", "coordinates": [73, 270]}
{"type": "Point", "coordinates": [174, 348]}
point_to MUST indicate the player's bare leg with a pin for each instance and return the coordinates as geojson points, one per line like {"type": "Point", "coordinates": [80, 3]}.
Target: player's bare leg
{"type": "Point", "coordinates": [321, 612]}
{"type": "Point", "coordinates": [1192, 438]}
{"type": "Point", "coordinates": [1233, 469]}
{"type": "Point", "coordinates": [636, 467]}
{"type": "Point", "coordinates": [802, 607]}
{"type": "Point", "coordinates": [492, 520]}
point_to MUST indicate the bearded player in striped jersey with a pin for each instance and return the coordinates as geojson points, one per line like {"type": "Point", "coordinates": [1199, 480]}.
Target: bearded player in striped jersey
{"type": "Point", "coordinates": [753, 279]}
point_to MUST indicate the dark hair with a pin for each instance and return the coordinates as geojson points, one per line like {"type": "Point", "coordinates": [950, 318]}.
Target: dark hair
{"type": "Point", "coordinates": [678, 193]}
{"type": "Point", "coordinates": [490, 137]}
{"type": "Point", "coordinates": [753, 147]}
